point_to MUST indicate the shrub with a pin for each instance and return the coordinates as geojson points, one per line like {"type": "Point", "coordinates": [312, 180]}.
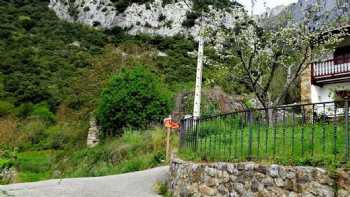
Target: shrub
{"type": "Point", "coordinates": [190, 20]}
{"type": "Point", "coordinates": [26, 22]}
{"type": "Point", "coordinates": [9, 134]}
{"type": "Point", "coordinates": [42, 112]}
{"type": "Point", "coordinates": [86, 9]}
{"type": "Point", "coordinates": [24, 110]}
{"type": "Point", "coordinates": [122, 5]}
{"type": "Point", "coordinates": [55, 138]}
{"type": "Point", "coordinates": [64, 135]}
{"type": "Point", "coordinates": [6, 108]}
{"type": "Point", "coordinates": [161, 17]}
{"type": "Point", "coordinates": [133, 98]}
{"type": "Point", "coordinates": [34, 131]}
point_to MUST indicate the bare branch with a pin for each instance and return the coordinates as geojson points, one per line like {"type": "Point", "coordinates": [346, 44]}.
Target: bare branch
{"type": "Point", "coordinates": [272, 73]}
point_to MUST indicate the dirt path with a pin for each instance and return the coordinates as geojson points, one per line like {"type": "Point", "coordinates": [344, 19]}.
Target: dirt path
{"type": "Point", "coordinates": [136, 184]}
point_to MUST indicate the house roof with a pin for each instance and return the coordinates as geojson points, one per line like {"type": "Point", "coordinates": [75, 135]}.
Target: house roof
{"type": "Point", "coordinates": [337, 30]}
{"type": "Point", "coordinates": [327, 34]}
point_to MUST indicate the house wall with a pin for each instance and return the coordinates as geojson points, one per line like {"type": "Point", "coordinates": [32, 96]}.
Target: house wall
{"type": "Point", "coordinates": [326, 92]}
{"type": "Point", "coordinates": [316, 94]}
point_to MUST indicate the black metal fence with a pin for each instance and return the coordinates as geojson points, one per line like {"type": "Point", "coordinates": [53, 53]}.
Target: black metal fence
{"type": "Point", "coordinates": [316, 131]}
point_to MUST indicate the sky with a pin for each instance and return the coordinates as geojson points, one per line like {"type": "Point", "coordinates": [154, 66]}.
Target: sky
{"type": "Point", "coordinates": [259, 5]}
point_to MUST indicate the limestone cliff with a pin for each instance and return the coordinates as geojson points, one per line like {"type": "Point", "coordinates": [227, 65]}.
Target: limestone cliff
{"type": "Point", "coordinates": [326, 12]}
{"type": "Point", "coordinates": [156, 17]}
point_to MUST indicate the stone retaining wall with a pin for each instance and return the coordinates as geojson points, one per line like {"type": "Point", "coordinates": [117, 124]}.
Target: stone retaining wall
{"type": "Point", "coordinates": [252, 179]}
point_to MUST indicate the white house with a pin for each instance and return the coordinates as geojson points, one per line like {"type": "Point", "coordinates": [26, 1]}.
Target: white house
{"type": "Point", "coordinates": [326, 80]}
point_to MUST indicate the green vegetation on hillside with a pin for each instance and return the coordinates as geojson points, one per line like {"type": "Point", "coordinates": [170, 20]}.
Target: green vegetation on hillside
{"type": "Point", "coordinates": [52, 74]}
{"type": "Point", "coordinates": [203, 5]}
{"type": "Point", "coordinates": [198, 5]}
{"type": "Point", "coordinates": [133, 151]}
{"type": "Point", "coordinates": [42, 55]}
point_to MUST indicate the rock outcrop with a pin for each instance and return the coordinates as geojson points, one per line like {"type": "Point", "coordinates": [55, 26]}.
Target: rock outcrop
{"type": "Point", "coordinates": [326, 12]}
{"type": "Point", "coordinates": [154, 17]}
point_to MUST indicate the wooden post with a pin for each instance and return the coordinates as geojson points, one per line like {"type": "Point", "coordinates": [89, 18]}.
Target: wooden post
{"type": "Point", "coordinates": [169, 125]}
{"type": "Point", "coordinates": [168, 143]}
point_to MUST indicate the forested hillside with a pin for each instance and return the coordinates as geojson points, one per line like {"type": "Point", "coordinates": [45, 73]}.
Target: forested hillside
{"type": "Point", "coordinates": [52, 73]}
{"type": "Point", "coordinates": [41, 55]}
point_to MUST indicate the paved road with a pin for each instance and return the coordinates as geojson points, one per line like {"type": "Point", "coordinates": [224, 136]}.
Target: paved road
{"type": "Point", "coordinates": [136, 184]}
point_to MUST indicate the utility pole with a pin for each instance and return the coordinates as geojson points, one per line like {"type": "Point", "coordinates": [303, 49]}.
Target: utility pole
{"type": "Point", "coordinates": [199, 73]}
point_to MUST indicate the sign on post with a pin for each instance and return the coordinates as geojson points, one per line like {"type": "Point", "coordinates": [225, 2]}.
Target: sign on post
{"type": "Point", "coordinates": [169, 123]}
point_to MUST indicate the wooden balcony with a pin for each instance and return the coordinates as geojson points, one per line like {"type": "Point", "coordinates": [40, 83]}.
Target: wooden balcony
{"type": "Point", "coordinates": [330, 71]}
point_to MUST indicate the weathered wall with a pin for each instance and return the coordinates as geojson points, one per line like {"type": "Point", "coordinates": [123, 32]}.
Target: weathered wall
{"type": "Point", "coordinates": [305, 85]}
{"type": "Point", "coordinates": [93, 134]}
{"type": "Point", "coordinates": [7, 175]}
{"type": "Point", "coordinates": [252, 179]}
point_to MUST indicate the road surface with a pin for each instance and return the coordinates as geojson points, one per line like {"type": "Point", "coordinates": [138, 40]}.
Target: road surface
{"type": "Point", "coordinates": [135, 184]}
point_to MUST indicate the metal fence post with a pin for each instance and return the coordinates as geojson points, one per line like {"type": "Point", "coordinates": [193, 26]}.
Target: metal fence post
{"type": "Point", "coordinates": [346, 115]}
{"type": "Point", "coordinates": [335, 129]}
{"type": "Point", "coordinates": [182, 132]}
{"type": "Point", "coordinates": [196, 124]}
{"type": "Point", "coordinates": [250, 142]}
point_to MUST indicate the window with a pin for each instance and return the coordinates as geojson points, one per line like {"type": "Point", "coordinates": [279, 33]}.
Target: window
{"type": "Point", "coordinates": [342, 55]}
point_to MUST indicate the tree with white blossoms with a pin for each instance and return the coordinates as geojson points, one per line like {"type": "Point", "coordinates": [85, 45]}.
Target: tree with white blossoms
{"type": "Point", "coordinates": [257, 53]}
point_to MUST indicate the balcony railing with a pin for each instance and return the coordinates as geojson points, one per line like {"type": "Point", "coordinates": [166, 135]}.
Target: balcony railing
{"type": "Point", "coordinates": [329, 70]}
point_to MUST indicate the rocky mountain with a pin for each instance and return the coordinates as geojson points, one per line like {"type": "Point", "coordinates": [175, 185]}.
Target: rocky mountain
{"type": "Point", "coordinates": [156, 17]}
{"type": "Point", "coordinates": [326, 12]}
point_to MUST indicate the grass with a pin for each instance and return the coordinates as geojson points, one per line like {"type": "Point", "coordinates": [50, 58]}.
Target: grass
{"type": "Point", "coordinates": [318, 144]}
{"type": "Point", "coordinates": [162, 189]}
{"type": "Point", "coordinates": [5, 163]}
{"type": "Point", "coordinates": [34, 166]}
{"type": "Point", "coordinates": [133, 151]}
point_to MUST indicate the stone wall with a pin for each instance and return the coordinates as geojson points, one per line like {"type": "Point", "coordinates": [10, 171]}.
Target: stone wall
{"type": "Point", "coordinates": [252, 179]}
{"type": "Point", "coordinates": [93, 134]}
